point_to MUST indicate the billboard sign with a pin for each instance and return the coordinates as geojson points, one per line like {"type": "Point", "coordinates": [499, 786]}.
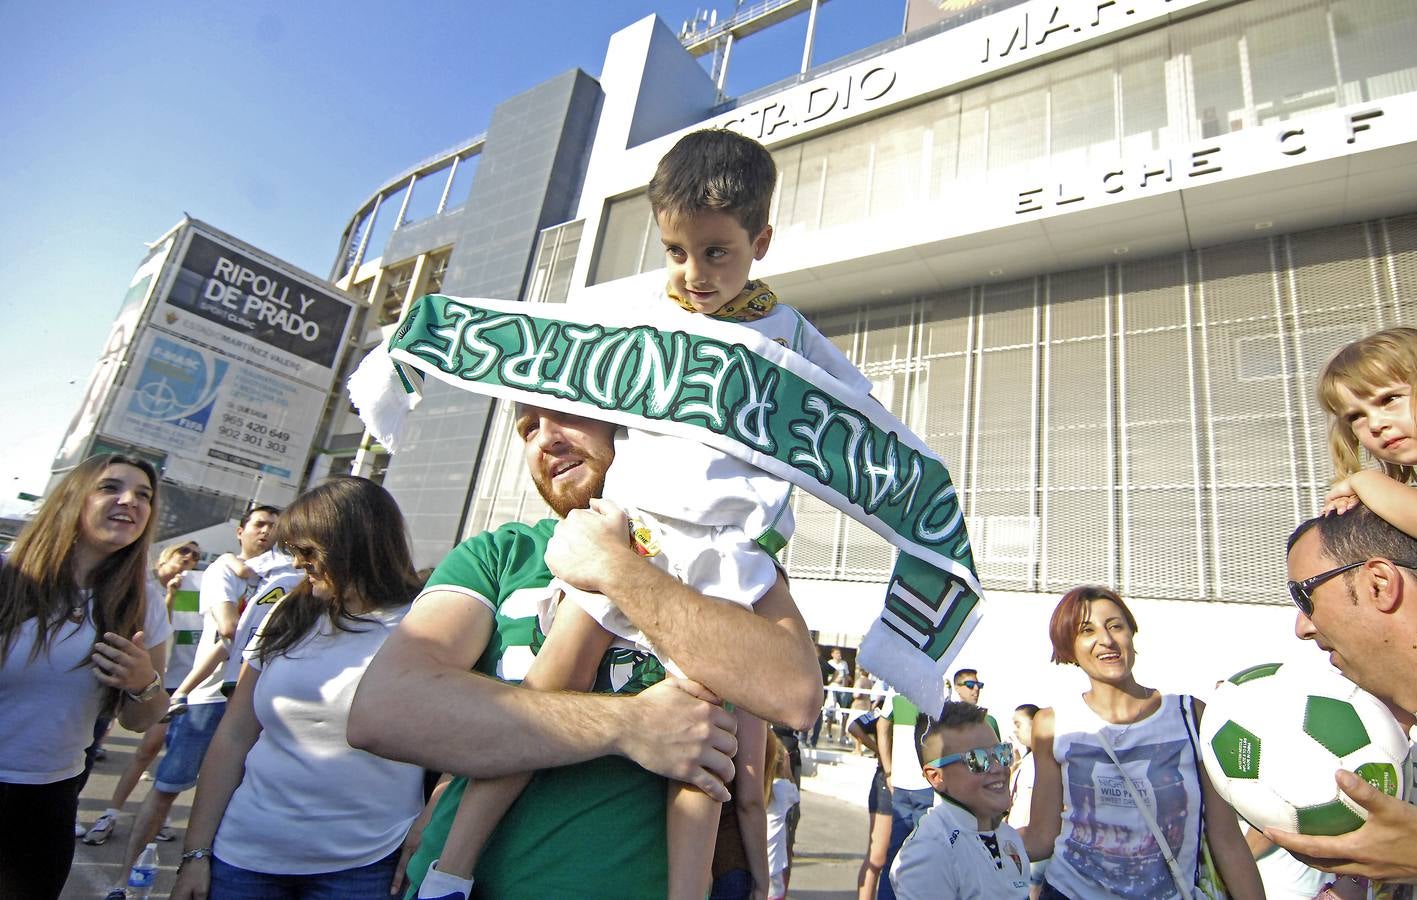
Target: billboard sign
{"type": "Point", "coordinates": [233, 302]}
{"type": "Point", "coordinates": [225, 424]}
{"type": "Point", "coordinates": [230, 368]}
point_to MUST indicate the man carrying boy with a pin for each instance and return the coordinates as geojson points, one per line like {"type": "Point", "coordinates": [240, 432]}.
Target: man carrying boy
{"type": "Point", "coordinates": [580, 830]}
{"type": "Point", "coordinates": [963, 848]}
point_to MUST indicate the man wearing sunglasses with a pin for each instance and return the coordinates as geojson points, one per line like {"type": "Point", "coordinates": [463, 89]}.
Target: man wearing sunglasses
{"type": "Point", "coordinates": [1353, 578]}
{"type": "Point", "coordinates": [967, 688]}
{"type": "Point", "coordinates": [963, 848]}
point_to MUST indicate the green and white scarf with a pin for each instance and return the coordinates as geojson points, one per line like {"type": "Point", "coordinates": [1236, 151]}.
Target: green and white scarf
{"type": "Point", "coordinates": [730, 388]}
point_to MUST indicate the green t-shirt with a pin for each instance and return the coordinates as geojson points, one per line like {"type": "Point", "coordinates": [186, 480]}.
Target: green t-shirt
{"type": "Point", "coordinates": [596, 829]}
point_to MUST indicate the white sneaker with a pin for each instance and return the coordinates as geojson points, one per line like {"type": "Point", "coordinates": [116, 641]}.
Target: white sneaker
{"type": "Point", "coordinates": [166, 833]}
{"type": "Point", "coordinates": [101, 831]}
{"type": "Point", "coordinates": [78, 829]}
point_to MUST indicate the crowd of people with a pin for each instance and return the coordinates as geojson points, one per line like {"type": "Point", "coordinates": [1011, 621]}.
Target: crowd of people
{"type": "Point", "coordinates": [557, 710]}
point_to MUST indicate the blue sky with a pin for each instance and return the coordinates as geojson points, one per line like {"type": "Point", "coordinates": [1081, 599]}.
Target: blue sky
{"type": "Point", "coordinates": [271, 121]}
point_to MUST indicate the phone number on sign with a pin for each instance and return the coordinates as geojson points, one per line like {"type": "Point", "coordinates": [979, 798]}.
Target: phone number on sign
{"type": "Point", "coordinates": [253, 434]}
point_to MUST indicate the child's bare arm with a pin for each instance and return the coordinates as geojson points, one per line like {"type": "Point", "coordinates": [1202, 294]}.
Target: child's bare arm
{"type": "Point", "coordinates": [748, 799]}
{"type": "Point", "coordinates": [567, 661]}
{"type": "Point", "coordinates": [202, 666]}
{"type": "Point", "coordinates": [1393, 501]}
{"type": "Point", "coordinates": [571, 655]}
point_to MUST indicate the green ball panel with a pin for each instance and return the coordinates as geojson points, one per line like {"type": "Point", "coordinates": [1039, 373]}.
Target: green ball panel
{"type": "Point", "coordinates": [1328, 819]}
{"type": "Point", "coordinates": [1237, 751]}
{"type": "Point", "coordinates": [1335, 724]}
{"type": "Point", "coordinates": [1264, 670]}
{"type": "Point", "coordinates": [1382, 776]}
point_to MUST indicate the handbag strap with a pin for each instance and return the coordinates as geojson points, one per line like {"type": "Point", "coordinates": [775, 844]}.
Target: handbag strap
{"type": "Point", "coordinates": [1193, 728]}
{"type": "Point", "coordinates": [1150, 818]}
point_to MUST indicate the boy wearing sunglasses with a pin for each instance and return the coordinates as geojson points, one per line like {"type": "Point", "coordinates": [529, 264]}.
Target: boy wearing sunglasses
{"type": "Point", "coordinates": [963, 849]}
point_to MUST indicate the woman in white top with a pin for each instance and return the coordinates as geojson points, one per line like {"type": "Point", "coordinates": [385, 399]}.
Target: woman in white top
{"type": "Point", "coordinates": [1085, 812]}
{"type": "Point", "coordinates": [284, 805]}
{"type": "Point", "coordinates": [77, 641]}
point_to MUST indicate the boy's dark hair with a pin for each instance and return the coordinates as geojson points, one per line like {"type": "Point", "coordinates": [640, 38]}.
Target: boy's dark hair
{"type": "Point", "coordinates": [954, 714]}
{"type": "Point", "coordinates": [974, 672]}
{"type": "Point", "coordinates": [716, 169]}
{"type": "Point", "coordinates": [1028, 709]}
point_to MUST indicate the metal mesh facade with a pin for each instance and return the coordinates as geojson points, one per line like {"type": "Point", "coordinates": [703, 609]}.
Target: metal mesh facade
{"type": "Point", "coordinates": [1149, 424]}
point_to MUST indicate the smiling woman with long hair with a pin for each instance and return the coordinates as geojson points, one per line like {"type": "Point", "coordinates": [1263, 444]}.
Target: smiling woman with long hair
{"type": "Point", "coordinates": [1095, 753]}
{"type": "Point", "coordinates": [284, 805]}
{"type": "Point", "coordinates": [78, 639]}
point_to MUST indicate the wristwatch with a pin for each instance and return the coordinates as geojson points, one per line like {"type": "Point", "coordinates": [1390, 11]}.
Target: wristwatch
{"type": "Point", "coordinates": [199, 853]}
{"type": "Point", "coordinates": [148, 692]}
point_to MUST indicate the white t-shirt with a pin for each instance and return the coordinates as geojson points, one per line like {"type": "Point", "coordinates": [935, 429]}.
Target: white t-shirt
{"type": "Point", "coordinates": [947, 857]}
{"type": "Point", "coordinates": [186, 621]}
{"type": "Point", "coordinates": [906, 773]}
{"type": "Point", "coordinates": [48, 706]}
{"type": "Point", "coordinates": [279, 577]}
{"type": "Point", "coordinates": [219, 585]}
{"type": "Point", "coordinates": [784, 796]}
{"type": "Point", "coordinates": [1284, 877]}
{"type": "Point", "coordinates": [348, 807]}
{"type": "Point", "coordinates": [1021, 787]}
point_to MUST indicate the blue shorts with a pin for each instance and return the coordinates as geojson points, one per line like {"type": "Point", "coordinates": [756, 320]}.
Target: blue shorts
{"type": "Point", "coordinates": [188, 736]}
{"type": "Point", "coordinates": [879, 799]}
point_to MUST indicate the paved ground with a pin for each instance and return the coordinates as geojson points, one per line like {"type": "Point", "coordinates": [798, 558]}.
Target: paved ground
{"type": "Point", "coordinates": [831, 838]}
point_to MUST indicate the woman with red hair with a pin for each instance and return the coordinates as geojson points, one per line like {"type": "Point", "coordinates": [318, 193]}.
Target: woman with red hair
{"type": "Point", "coordinates": [1120, 800]}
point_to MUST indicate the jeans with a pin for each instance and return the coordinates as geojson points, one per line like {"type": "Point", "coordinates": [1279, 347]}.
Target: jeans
{"type": "Point", "coordinates": [188, 737]}
{"type": "Point", "coordinates": [735, 884]}
{"type": "Point", "coordinates": [371, 882]}
{"type": "Point", "coordinates": [907, 808]}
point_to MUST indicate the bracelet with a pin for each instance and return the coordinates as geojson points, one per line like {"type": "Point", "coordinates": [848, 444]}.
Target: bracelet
{"type": "Point", "coordinates": [199, 853]}
{"type": "Point", "coordinates": [148, 692]}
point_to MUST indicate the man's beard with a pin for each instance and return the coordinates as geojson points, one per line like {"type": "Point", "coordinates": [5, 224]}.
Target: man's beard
{"type": "Point", "coordinates": [564, 501]}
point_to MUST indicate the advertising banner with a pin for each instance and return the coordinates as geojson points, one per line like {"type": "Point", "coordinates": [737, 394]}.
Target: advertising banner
{"type": "Point", "coordinates": [225, 425]}
{"type": "Point", "coordinates": [234, 303]}
{"type": "Point", "coordinates": [225, 366]}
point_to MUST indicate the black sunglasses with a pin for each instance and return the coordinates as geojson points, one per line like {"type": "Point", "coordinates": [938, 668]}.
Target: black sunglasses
{"type": "Point", "coordinates": [1302, 592]}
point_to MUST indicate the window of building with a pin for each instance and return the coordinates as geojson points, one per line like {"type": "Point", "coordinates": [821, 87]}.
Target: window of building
{"type": "Point", "coordinates": [625, 240]}
{"type": "Point", "coordinates": [555, 257]}
{"type": "Point", "coordinates": [437, 270]}
{"type": "Point", "coordinates": [396, 284]}
{"type": "Point", "coordinates": [1375, 40]}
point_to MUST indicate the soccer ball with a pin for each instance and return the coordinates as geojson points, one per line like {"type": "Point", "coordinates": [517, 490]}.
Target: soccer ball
{"type": "Point", "coordinates": [1273, 735]}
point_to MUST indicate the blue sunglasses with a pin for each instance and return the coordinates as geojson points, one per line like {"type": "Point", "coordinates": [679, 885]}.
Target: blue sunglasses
{"type": "Point", "coordinates": [979, 759]}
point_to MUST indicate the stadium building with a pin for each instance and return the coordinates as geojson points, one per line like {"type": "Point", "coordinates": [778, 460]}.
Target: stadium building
{"type": "Point", "coordinates": [1094, 252]}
